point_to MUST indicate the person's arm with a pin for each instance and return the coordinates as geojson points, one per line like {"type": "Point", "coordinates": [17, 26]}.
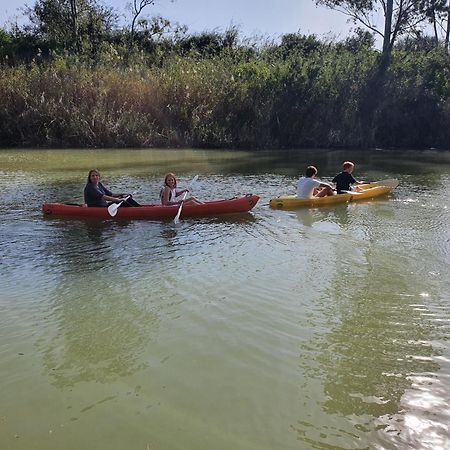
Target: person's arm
{"type": "Point", "coordinates": [105, 191]}
{"type": "Point", "coordinates": [178, 193]}
{"type": "Point", "coordinates": [323, 184]}
{"type": "Point", "coordinates": [111, 194]}
{"type": "Point", "coordinates": [93, 194]}
{"type": "Point", "coordinates": [110, 198]}
{"type": "Point", "coordinates": [353, 180]}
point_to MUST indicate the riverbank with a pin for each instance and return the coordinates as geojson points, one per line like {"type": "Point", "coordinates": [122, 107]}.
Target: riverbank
{"type": "Point", "coordinates": [279, 96]}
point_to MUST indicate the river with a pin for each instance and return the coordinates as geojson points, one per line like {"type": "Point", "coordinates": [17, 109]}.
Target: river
{"type": "Point", "coordinates": [323, 328]}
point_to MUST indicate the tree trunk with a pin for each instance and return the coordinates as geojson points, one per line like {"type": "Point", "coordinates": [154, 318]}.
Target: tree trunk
{"type": "Point", "coordinates": [374, 91]}
{"type": "Point", "coordinates": [133, 24]}
{"type": "Point", "coordinates": [387, 42]}
{"type": "Point", "coordinates": [447, 31]}
{"type": "Point", "coordinates": [74, 24]}
{"type": "Point", "coordinates": [436, 36]}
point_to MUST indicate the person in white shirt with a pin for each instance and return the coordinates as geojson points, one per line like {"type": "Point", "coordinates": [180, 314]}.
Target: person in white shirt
{"type": "Point", "coordinates": [309, 187]}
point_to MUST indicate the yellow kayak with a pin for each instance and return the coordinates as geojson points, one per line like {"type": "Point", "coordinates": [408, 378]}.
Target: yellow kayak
{"type": "Point", "coordinates": [367, 191]}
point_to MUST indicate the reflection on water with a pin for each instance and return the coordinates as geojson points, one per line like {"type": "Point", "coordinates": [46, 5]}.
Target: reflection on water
{"type": "Point", "coordinates": [365, 381]}
{"type": "Point", "coordinates": [96, 339]}
{"type": "Point", "coordinates": [314, 328]}
{"type": "Point", "coordinates": [331, 215]}
{"type": "Point", "coordinates": [100, 324]}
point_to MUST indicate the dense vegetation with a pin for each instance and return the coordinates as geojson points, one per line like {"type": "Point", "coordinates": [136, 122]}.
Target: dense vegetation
{"type": "Point", "coordinates": [106, 88]}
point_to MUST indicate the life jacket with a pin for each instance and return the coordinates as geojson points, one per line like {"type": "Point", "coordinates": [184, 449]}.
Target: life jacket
{"type": "Point", "coordinates": [172, 195]}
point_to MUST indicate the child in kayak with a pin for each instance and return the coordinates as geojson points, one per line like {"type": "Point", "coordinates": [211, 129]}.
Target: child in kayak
{"type": "Point", "coordinates": [345, 179]}
{"type": "Point", "coordinates": [309, 187]}
{"type": "Point", "coordinates": [169, 193]}
{"type": "Point", "coordinates": [95, 194]}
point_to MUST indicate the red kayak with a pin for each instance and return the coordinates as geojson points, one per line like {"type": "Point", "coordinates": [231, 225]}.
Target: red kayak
{"type": "Point", "coordinates": [157, 211]}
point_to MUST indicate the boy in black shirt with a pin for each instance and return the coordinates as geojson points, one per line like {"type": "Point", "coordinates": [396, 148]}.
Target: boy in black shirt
{"type": "Point", "coordinates": [345, 179]}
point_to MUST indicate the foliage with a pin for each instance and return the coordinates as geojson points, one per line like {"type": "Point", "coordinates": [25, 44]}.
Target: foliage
{"type": "Point", "coordinates": [400, 18]}
{"type": "Point", "coordinates": [436, 12]}
{"type": "Point", "coordinates": [214, 90]}
{"type": "Point", "coordinates": [70, 24]}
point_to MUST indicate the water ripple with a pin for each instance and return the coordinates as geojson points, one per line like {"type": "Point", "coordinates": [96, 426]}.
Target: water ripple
{"type": "Point", "coordinates": [316, 328]}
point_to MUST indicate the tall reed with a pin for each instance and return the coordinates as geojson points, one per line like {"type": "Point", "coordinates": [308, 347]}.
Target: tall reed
{"type": "Point", "coordinates": [252, 99]}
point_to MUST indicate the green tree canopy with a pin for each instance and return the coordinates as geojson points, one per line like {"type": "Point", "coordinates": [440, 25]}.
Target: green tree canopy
{"type": "Point", "coordinates": [399, 17]}
{"type": "Point", "coordinates": [69, 24]}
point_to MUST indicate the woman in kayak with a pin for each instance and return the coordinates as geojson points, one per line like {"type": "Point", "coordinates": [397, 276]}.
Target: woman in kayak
{"type": "Point", "coordinates": [309, 187]}
{"type": "Point", "coordinates": [169, 193]}
{"type": "Point", "coordinates": [95, 194]}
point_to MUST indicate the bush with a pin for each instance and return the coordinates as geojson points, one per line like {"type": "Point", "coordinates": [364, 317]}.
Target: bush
{"type": "Point", "coordinates": [222, 93]}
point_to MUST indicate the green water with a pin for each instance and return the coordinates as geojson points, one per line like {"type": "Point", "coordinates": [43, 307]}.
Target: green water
{"type": "Point", "coordinates": [318, 328]}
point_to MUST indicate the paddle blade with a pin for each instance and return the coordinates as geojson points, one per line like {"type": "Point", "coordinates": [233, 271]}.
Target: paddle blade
{"type": "Point", "coordinates": [177, 217]}
{"type": "Point", "coordinates": [390, 183]}
{"type": "Point", "coordinates": [112, 208]}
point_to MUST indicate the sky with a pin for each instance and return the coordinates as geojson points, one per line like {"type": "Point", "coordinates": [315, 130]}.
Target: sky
{"type": "Point", "coordinates": [270, 18]}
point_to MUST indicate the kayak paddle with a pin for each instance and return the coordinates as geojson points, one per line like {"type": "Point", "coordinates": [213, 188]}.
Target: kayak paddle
{"type": "Point", "coordinates": [177, 217]}
{"type": "Point", "coordinates": [352, 192]}
{"type": "Point", "coordinates": [390, 183]}
{"type": "Point", "coordinates": [113, 207]}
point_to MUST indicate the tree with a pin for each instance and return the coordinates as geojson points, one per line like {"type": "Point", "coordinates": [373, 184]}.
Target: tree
{"type": "Point", "coordinates": [144, 30]}
{"type": "Point", "coordinates": [74, 20]}
{"type": "Point", "coordinates": [437, 13]}
{"type": "Point", "coordinates": [209, 43]}
{"type": "Point", "coordinates": [136, 8]}
{"type": "Point", "coordinates": [361, 39]}
{"type": "Point", "coordinates": [64, 24]}
{"type": "Point", "coordinates": [5, 44]}
{"type": "Point", "coordinates": [399, 17]}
